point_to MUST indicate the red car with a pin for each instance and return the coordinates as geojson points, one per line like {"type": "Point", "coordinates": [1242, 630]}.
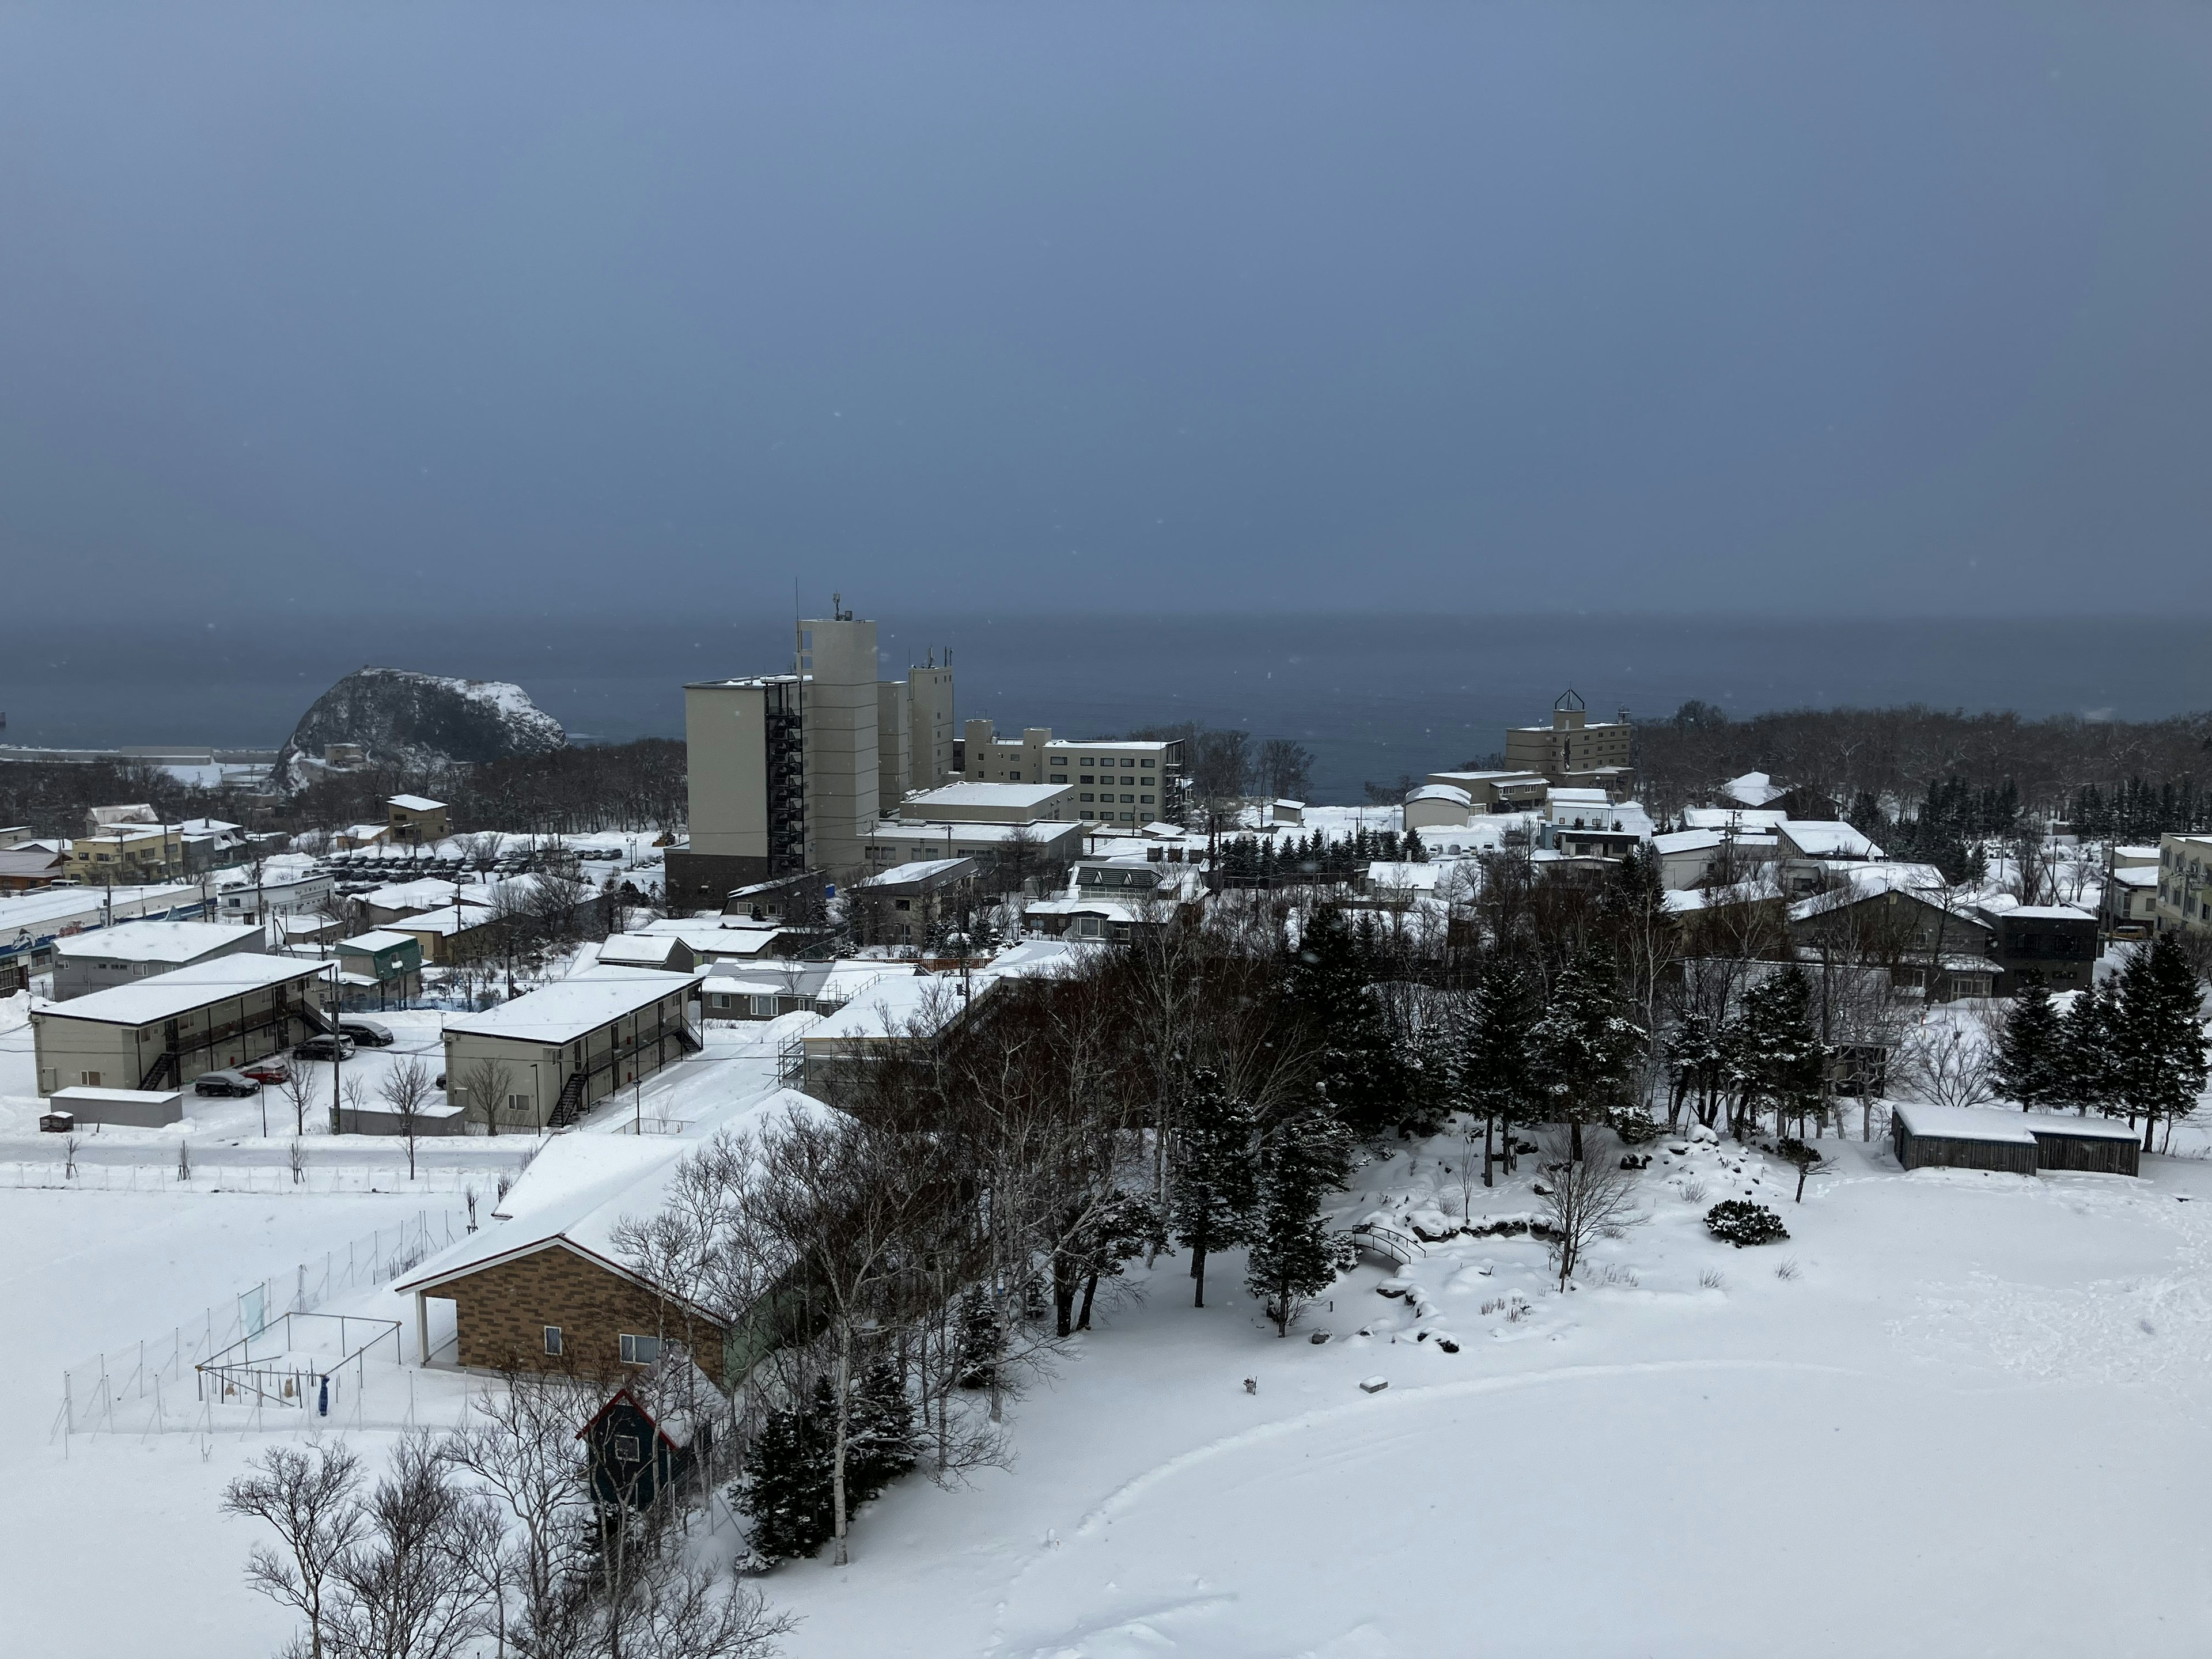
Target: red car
{"type": "Point", "coordinates": [269, 1071]}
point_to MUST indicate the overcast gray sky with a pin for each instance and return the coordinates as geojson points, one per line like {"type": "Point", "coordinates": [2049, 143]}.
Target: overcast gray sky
{"type": "Point", "coordinates": [1115, 308]}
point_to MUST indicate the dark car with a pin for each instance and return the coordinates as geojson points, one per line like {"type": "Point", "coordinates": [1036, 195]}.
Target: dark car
{"type": "Point", "coordinates": [224, 1083]}
{"type": "Point", "coordinates": [323, 1048]}
{"type": "Point", "coordinates": [366, 1033]}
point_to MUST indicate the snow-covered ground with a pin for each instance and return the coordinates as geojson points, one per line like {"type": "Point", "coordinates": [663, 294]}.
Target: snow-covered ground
{"type": "Point", "coordinates": [1954, 1412]}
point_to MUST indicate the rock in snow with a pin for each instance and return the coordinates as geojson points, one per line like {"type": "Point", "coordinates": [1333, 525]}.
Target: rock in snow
{"type": "Point", "coordinates": [1375, 1385]}
{"type": "Point", "coordinates": [400, 718]}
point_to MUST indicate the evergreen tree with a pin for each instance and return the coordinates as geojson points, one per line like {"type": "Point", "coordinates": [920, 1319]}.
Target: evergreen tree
{"type": "Point", "coordinates": [1493, 1076]}
{"type": "Point", "coordinates": [2031, 1064]}
{"type": "Point", "coordinates": [1327, 986]}
{"type": "Point", "coordinates": [1214, 1188]}
{"type": "Point", "coordinates": [787, 1489]}
{"type": "Point", "coordinates": [1586, 1047]}
{"type": "Point", "coordinates": [880, 1437]}
{"type": "Point", "coordinates": [2162, 1069]}
{"type": "Point", "coordinates": [1294, 1256]}
{"type": "Point", "coordinates": [982, 1344]}
{"type": "Point", "coordinates": [2088, 1049]}
{"type": "Point", "coordinates": [1781, 1061]}
{"type": "Point", "coordinates": [1700, 1056]}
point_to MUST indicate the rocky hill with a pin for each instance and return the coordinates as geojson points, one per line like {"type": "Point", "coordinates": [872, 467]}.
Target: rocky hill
{"type": "Point", "coordinates": [399, 718]}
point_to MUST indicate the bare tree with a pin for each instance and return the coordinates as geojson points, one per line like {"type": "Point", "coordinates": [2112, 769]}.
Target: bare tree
{"type": "Point", "coordinates": [1946, 1063]}
{"type": "Point", "coordinates": [1285, 767]}
{"type": "Point", "coordinates": [299, 1088]}
{"type": "Point", "coordinates": [405, 1590]}
{"type": "Point", "coordinates": [1587, 1199]}
{"type": "Point", "coordinates": [311, 1498]}
{"type": "Point", "coordinates": [521, 1444]}
{"type": "Point", "coordinates": [488, 1083]}
{"type": "Point", "coordinates": [406, 1087]}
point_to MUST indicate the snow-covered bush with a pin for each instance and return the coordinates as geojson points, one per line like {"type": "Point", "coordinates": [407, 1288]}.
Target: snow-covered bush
{"type": "Point", "coordinates": [1634, 1128]}
{"type": "Point", "coordinates": [1737, 1223]}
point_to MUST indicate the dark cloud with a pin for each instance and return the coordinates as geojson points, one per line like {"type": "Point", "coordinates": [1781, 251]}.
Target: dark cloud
{"type": "Point", "coordinates": [1690, 306]}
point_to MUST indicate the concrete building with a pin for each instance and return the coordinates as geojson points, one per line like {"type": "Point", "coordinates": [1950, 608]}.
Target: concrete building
{"type": "Point", "coordinates": [788, 773]}
{"type": "Point", "coordinates": [415, 820]}
{"type": "Point", "coordinates": [167, 1031]}
{"type": "Point", "coordinates": [1044, 851]}
{"type": "Point", "coordinates": [549, 1056]}
{"type": "Point", "coordinates": [2184, 888]}
{"type": "Point", "coordinates": [107, 957]}
{"type": "Point", "coordinates": [246, 900]}
{"type": "Point", "coordinates": [1571, 752]}
{"type": "Point", "coordinates": [1144, 776]}
{"type": "Point", "coordinates": [2128, 908]}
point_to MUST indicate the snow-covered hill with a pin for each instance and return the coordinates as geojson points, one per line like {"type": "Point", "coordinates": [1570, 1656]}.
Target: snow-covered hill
{"type": "Point", "coordinates": [400, 718]}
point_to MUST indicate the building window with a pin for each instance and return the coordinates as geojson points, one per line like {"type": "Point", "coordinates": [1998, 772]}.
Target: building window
{"type": "Point", "coordinates": [1059, 777]}
{"type": "Point", "coordinates": [626, 1449]}
{"type": "Point", "coordinates": [553, 1340]}
{"type": "Point", "coordinates": [1147, 765]}
{"type": "Point", "coordinates": [1085, 795]}
{"type": "Point", "coordinates": [1129, 800]}
{"type": "Point", "coordinates": [88, 1079]}
{"type": "Point", "coordinates": [1144, 799]}
{"type": "Point", "coordinates": [640, 1350]}
{"type": "Point", "coordinates": [520, 1105]}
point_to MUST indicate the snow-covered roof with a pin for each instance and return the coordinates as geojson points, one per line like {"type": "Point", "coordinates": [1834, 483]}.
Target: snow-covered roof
{"type": "Point", "coordinates": [1040, 958]}
{"type": "Point", "coordinates": [581, 1187]}
{"type": "Point", "coordinates": [79, 1093]}
{"type": "Point", "coordinates": [415, 803]}
{"type": "Point", "coordinates": [30, 912]}
{"type": "Point", "coordinates": [1162, 830]}
{"type": "Point", "coordinates": [166, 996]}
{"type": "Point", "coordinates": [707, 939]}
{"type": "Point", "coordinates": [916, 870]}
{"type": "Point", "coordinates": [1688, 841]}
{"type": "Point", "coordinates": [975, 835]}
{"type": "Point", "coordinates": [1862, 881]}
{"type": "Point", "coordinates": [379, 939]}
{"type": "Point", "coordinates": [982, 794]}
{"type": "Point", "coordinates": [571, 1008]}
{"type": "Point", "coordinates": [1413, 878]}
{"type": "Point", "coordinates": [1752, 789]}
{"type": "Point", "coordinates": [638, 950]}
{"type": "Point", "coordinates": [443, 922]}
{"type": "Point", "coordinates": [1731, 817]}
{"type": "Point", "coordinates": [426, 893]}
{"type": "Point", "coordinates": [1963, 1123]}
{"type": "Point", "coordinates": [1443, 791]}
{"type": "Point", "coordinates": [155, 941]}
{"type": "Point", "coordinates": [2141, 876]}
{"type": "Point", "coordinates": [2078, 1128]}
{"type": "Point", "coordinates": [2049, 912]}
{"type": "Point", "coordinates": [1578, 797]}
{"type": "Point", "coordinates": [892, 1006]}
{"type": "Point", "coordinates": [1828, 839]}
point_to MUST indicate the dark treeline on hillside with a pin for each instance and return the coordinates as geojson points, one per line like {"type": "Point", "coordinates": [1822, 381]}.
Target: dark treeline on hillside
{"type": "Point", "coordinates": [1896, 755]}
{"type": "Point", "coordinates": [632, 785]}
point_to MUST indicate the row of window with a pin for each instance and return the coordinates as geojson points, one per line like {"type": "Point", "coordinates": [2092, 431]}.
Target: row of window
{"type": "Point", "coordinates": [636, 1350]}
{"type": "Point", "coordinates": [1127, 800]}
{"type": "Point", "coordinates": [1127, 818]}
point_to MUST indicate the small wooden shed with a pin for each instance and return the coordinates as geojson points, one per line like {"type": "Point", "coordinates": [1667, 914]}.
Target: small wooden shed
{"type": "Point", "coordinates": [651, 1433]}
{"type": "Point", "coordinates": [2094, 1145]}
{"type": "Point", "coordinates": [1954, 1138]}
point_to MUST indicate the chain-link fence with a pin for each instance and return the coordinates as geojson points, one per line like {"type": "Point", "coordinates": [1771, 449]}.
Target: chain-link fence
{"type": "Point", "coordinates": [150, 1386]}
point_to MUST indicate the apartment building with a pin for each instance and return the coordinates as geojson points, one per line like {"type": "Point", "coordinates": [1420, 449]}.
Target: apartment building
{"type": "Point", "coordinates": [1122, 782]}
{"type": "Point", "coordinates": [415, 820]}
{"type": "Point", "coordinates": [127, 853]}
{"type": "Point", "coordinates": [1571, 752]}
{"type": "Point", "coordinates": [2185, 885]}
{"type": "Point", "coordinates": [788, 772]}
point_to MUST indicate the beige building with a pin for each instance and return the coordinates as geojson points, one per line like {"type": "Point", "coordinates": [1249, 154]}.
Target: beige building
{"type": "Point", "coordinates": [788, 773]}
{"type": "Point", "coordinates": [128, 854]}
{"type": "Point", "coordinates": [415, 819]}
{"type": "Point", "coordinates": [2185, 885]}
{"type": "Point", "coordinates": [165, 1032]}
{"type": "Point", "coordinates": [547, 1057]}
{"type": "Point", "coordinates": [1497, 791]}
{"type": "Point", "coordinates": [1045, 851]}
{"type": "Point", "coordinates": [1125, 782]}
{"type": "Point", "coordinates": [1571, 752]}
{"type": "Point", "coordinates": [107, 957]}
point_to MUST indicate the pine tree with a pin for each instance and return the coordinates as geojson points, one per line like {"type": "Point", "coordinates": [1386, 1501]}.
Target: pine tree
{"type": "Point", "coordinates": [1493, 1078]}
{"type": "Point", "coordinates": [1327, 986]}
{"type": "Point", "coordinates": [2031, 1059]}
{"type": "Point", "coordinates": [1700, 1059]}
{"type": "Point", "coordinates": [1586, 1047]}
{"type": "Point", "coordinates": [982, 1344]}
{"type": "Point", "coordinates": [2162, 1069]}
{"type": "Point", "coordinates": [1781, 1061]}
{"type": "Point", "coordinates": [1294, 1257]}
{"type": "Point", "coordinates": [787, 1490]}
{"type": "Point", "coordinates": [2088, 1049]}
{"type": "Point", "coordinates": [1214, 1188]}
{"type": "Point", "coordinates": [880, 1438]}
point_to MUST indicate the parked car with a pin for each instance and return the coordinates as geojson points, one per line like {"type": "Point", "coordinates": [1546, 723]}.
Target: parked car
{"type": "Point", "coordinates": [224, 1083]}
{"type": "Point", "coordinates": [267, 1071]}
{"type": "Point", "coordinates": [366, 1033]}
{"type": "Point", "coordinates": [323, 1048]}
